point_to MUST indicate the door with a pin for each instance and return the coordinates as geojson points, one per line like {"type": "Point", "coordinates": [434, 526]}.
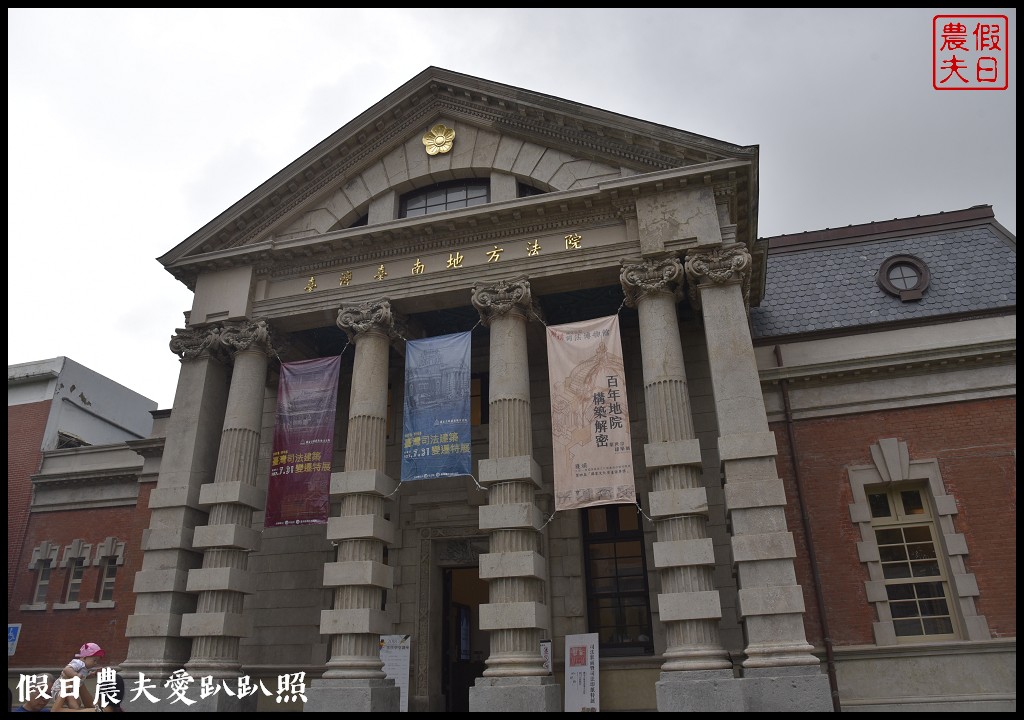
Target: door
{"type": "Point", "coordinates": [465, 646]}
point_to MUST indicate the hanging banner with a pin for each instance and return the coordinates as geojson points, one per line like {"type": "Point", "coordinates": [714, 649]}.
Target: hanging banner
{"type": "Point", "coordinates": [299, 491]}
{"type": "Point", "coordinates": [593, 458]}
{"type": "Point", "coordinates": [582, 674]}
{"type": "Point", "coordinates": [435, 430]}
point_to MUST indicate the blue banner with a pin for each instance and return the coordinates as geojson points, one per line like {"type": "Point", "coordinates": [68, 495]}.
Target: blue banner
{"type": "Point", "coordinates": [435, 428]}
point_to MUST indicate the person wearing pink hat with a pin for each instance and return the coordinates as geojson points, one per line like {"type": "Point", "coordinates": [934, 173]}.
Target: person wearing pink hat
{"type": "Point", "coordinates": [85, 660]}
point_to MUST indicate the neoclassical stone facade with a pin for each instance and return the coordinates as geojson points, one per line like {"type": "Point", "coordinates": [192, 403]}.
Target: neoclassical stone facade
{"type": "Point", "coordinates": [587, 214]}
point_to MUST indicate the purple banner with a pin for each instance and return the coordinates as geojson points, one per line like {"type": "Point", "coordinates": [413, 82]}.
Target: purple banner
{"type": "Point", "coordinates": [300, 468]}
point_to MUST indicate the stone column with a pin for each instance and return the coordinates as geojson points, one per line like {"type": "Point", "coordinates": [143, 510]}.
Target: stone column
{"type": "Point", "coordinates": [355, 680]}
{"type": "Point", "coordinates": [155, 644]}
{"type": "Point", "coordinates": [771, 603]}
{"type": "Point", "coordinates": [227, 539]}
{"type": "Point", "coordinates": [689, 605]}
{"type": "Point", "coordinates": [515, 569]}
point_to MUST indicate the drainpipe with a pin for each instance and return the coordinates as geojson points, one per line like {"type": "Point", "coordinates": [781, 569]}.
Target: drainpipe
{"type": "Point", "coordinates": [806, 520]}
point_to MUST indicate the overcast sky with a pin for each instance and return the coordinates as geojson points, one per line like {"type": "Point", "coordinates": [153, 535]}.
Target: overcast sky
{"type": "Point", "coordinates": [128, 130]}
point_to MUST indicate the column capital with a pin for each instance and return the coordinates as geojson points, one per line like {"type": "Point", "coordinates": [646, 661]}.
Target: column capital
{"type": "Point", "coordinates": [369, 316]}
{"type": "Point", "coordinates": [640, 278]}
{"type": "Point", "coordinates": [221, 340]}
{"type": "Point", "coordinates": [505, 296]}
{"type": "Point", "coordinates": [238, 336]}
{"type": "Point", "coordinates": [191, 342]}
{"type": "Point", "coordinates": [718, 266]}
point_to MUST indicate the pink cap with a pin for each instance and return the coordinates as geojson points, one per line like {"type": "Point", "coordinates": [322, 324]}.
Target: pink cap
{"type": "Point", "coordinates": [90, 650]}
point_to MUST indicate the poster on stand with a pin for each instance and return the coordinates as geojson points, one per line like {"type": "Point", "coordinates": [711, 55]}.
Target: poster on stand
{"type": "Point", "coordinates": [394, 653]}
{"type": "Point", "coordinates": [582, 674]}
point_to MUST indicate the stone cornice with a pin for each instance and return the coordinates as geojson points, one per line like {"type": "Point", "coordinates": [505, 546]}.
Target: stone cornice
{"type": "Point", "coordinates": [382, 245]}
{"type": "Point", "coordinates": [148, 448]}
{"type": "Point", "coordinates": [107, 476]}
{"type": "Point", "coordinates": [968, 355]}
{"type": "Point", "coordinates": [599, 204]}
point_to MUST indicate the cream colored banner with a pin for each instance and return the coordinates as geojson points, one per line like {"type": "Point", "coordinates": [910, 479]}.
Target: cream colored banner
{"type": "Point", "coordinates": [593, 457]}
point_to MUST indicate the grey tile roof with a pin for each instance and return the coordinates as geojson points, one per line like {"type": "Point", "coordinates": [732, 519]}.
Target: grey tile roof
{"type": "Point", "coordinates": [833, 288]}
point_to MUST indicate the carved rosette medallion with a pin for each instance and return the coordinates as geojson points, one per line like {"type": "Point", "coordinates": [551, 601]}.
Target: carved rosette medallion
{"type": "Point", "coordinates": [371, 315]}
{"type": "Point", "coordinates": [640, 278]}
{"type": "Point", "coordinates": [718, 266]}
{"type": "Point", "coordinates": [493, 301]}
{"type": "Point", "coordinates": [439, 140]}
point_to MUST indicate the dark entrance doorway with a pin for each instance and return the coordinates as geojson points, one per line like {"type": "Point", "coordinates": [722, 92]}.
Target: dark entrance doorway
{"type": "Point", "coordinates": [465, 647]}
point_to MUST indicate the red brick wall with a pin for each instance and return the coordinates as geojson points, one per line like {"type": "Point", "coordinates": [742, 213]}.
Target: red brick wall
{"type": "Point", "coordinates": [50, 638]}
{"type": "Point", "coordinates": [25, 427]}
{"type": "Point", "coordinates": [974, 444]}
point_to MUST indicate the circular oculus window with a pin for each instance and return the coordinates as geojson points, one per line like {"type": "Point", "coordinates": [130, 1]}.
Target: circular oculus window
{"type": "Point", "coordinates": [904, 276]}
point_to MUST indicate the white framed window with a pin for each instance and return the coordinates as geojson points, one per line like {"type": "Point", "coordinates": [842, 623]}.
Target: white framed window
{"type": "Point", "coordinates": [109, 557]}
{"type": "Point", "coordinates": [73, 561]}
{"type": "Point", "coordinates": [44, 559]}
{"type": "Point", "coordinates": [76, 569]}
{"type": "Point", "coordinates": [108, 576]}
{"type": "Point", "coordinates": [43, 570]}
{"type": "Point", "coordinates": [916, 579]}
{"type": "Point", "coordinates": [916, 560]}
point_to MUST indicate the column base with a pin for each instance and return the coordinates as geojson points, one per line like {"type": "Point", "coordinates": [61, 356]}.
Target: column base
{"type": "Point", "coordinates": [699, 691]}
{"type": "Point", "coordinates": [797, 688]}
{"type": "Point", "coordinates": [357, 695]}
{"type": "Point", "coordinates": [794, 689]}
{"type": "Point", "coordinates": [516, 694]}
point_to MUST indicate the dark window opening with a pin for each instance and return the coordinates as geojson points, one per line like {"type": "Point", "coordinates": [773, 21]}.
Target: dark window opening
{"type": "Point", "coordinates": [66, 440]}
{"type": "Point", "coordinates": [525, 190]}
{"type": "Point", "coordinates": [618, 602]}
{"type": "Point", "coordinates": [445, 196]}
{"type": "Point", "coordinates": [478, 399]}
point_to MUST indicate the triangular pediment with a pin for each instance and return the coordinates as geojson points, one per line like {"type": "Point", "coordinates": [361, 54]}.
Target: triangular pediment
{"type": "Point", "coordinates": [551, 143]}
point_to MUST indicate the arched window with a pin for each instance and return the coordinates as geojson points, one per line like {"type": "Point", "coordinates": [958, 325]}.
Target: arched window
{"type": "Point", "coordinates": [524, 190]}
{"type": "Point", "coordinates": [445, 196]}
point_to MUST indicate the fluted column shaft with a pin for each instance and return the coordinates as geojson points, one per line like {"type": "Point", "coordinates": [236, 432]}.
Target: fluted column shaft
{"type": "Point", "coordinates": [689, 605]}
{"type": "Point", "coordinates": [223, 581]}
{"type": "Point", "coordinates": [770, 600]}
{"type": "Point", "coordinates": [155, 644]}
{"type": "Point", "coordinates": [512, 650]}
{"type": "Point", "coordinates": [506, 308]}
{"type": "Point", "coordinates": [358, 574]}
{"type": "Point", "coordinates": [357, 655]}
